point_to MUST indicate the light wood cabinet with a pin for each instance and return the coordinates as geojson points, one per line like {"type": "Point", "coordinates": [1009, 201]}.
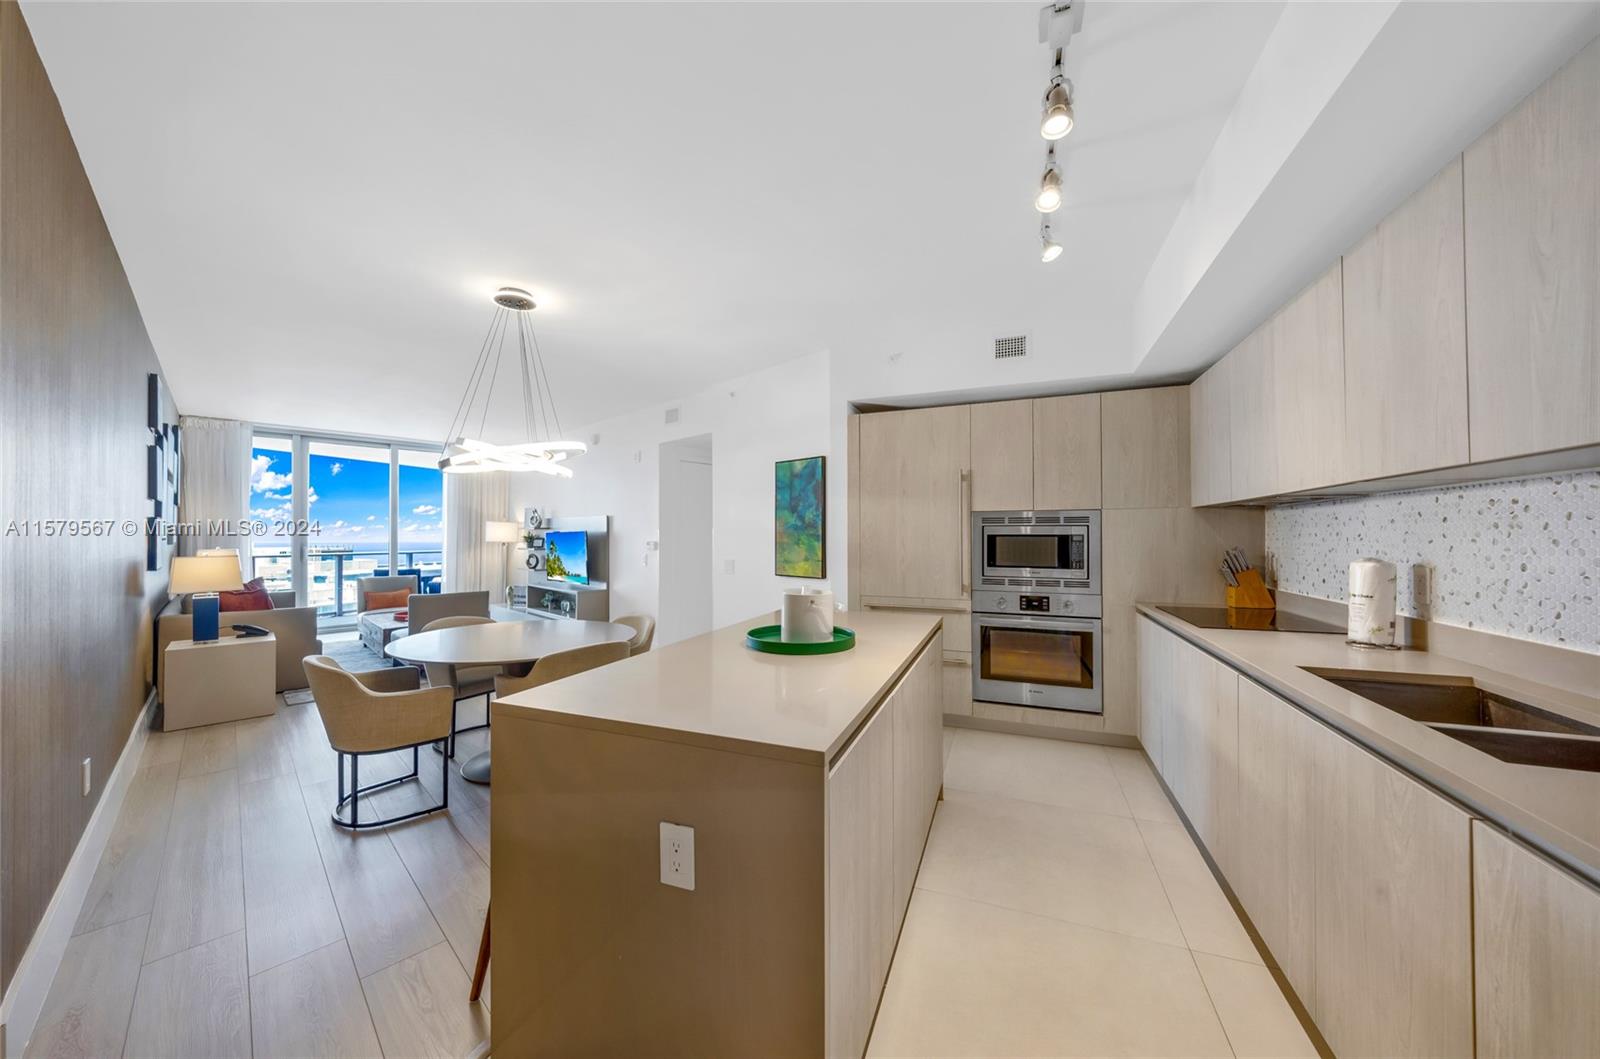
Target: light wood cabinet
{"type": "Point", "coordinates": [1536, 945]}
{"type": "Point", "coordinates": [957, 683]}
{"type": "Point", "coordinates": [1405, 339]}
{"type": "Point", "coordinates": [1306, 347]}
{"type": "Point", "coordinates": [1275, 854]}
{"type": "Point", "coordinates": [1066, 452]}
{"type": "Point", "coordinates": [914, 503]}
{"type": "Point", "coordinates": [1253, 452]}
{"type": "Point", "coordinates": [1002, 456]}
{"type": "Point", "coordinates": [1200, 745]}
{"type": "Point", "coordinates": [1144, 455]}
{"type": "Point", "coordinates": [918, 768]}
{"type": "Point", "coordinates": [1532, 194]}
{"type": "Point", "coordinates": [1393, 907]}
{"type": "Point", "coordinates": [1211, 436]}
{"type": "Point", "coordinates": [1157, 649]}
{"type": "Point", "coordinates": [861, 913]}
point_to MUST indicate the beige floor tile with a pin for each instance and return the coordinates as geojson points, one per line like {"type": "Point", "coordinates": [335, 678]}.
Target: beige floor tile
{"type": "Point", "coordinates": [163, 748]}
{"type": "Point", "coordinates": [970, 979]}
{"type": "Point", "coordinates": [201, 893]}
{"type": "Point", "coordinates": [314, 759]}
{"type": "Point", "coordinates": [209, 749]}
{"type": "Point", "coordinates": [1256, 1015]}
{"type": "Point", "coordinates": [129, 871]}
{"type": "Point", "coordinates": [1208, 920]}
{"type": "Point", "coordinates": [86, 1013]}
{"type": "Point", "coordinates": [312, 1006]}
{"type": "Point", "coordinates": [1083, 867]}
{"type": "Point", "coordinates": [195, 1003]}
{"type": "Point", "coordinates": [453, 879]}
{"type": "Point", "coordinates": [1139, 785]}
{"type": "Point", "coordinates": [288, 908]}
{"type": "Point", "coordinates": [420, 1006]}
{"type": "Point", "coordinates": [385, 918]}
{"type": "Point", "coordinates": [1049, 771]}
{"type": "Point", "coordinates": [265, 748]}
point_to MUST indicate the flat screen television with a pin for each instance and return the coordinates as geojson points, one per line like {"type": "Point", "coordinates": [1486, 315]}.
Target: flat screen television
{"type": "Point", "coordinates": [566, 556]}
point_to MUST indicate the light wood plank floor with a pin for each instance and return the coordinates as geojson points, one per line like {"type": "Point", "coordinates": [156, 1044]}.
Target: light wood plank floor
{"type": "Point", "coordinates": [1061, 909]}
{"type": "Point", "coordinates": [228, 916]}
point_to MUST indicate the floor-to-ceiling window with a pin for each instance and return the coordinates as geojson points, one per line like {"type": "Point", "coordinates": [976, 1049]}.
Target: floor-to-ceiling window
{"type": "Point", "coordinates": [332, 510]}
{"type": "Point", "coordinates": [272, 508]}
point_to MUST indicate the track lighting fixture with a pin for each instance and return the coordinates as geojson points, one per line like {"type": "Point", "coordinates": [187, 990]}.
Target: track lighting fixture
{"type": "Point", "coordinates": [1049, 198]}
{"type": "Point", "coordinates": [1057, 120]}
{"type": "Point", "coordinates": [1049, 249]}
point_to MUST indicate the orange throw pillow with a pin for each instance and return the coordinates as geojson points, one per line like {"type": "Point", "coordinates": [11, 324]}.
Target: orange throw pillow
{"type": "Point", "coordinates": [388, 600]}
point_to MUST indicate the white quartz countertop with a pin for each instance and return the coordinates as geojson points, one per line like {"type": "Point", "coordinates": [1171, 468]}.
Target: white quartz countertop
{"type": "Point", "coordinates": [1554, 810]}
{"type": "Point", "coordinates": [713, 691]}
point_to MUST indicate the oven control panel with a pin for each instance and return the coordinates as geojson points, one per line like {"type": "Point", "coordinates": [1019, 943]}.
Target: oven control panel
{"type": "Point", "coordinates": [1054, 604]}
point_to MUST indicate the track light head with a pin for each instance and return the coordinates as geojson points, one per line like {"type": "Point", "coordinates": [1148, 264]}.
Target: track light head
{"type": "Point", "coordinates": [1049, 198]}
{"type": "Point", "coordinates": [1057, 120]}
{"type": "Point", "coordinates": [1049, 249]}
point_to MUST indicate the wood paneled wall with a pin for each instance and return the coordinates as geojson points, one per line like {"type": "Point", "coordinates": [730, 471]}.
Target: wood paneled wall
{"type": "Point", "coordinates": [75, 612]}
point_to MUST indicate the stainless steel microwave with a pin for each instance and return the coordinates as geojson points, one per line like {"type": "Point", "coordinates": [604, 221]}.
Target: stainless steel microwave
{"type": "Point", "coordinates": [1055, 550]}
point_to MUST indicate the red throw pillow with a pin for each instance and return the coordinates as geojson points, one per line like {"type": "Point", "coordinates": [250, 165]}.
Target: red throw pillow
{"type": "Point", "coordinates": [253, 596]}
{"type": "Point", "coordinates": [388, 600]}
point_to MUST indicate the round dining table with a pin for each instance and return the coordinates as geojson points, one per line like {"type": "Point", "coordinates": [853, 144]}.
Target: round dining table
{"type": "Point", "coordinates": [500, 643]}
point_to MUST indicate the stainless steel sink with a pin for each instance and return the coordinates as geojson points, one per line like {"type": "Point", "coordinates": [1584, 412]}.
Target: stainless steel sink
{"type": "Point", "coordinates": [1454, 706]}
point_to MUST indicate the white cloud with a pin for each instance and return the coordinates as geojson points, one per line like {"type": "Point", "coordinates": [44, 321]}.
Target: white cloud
{"type": "Point", "coordinates": [425, 509]}
{"type": "Point", "coordinates": [371, 517]}
{"type": "Point", "coordinates": [335, 469]}
{"type": "Point", "coordinates": [264, 479]}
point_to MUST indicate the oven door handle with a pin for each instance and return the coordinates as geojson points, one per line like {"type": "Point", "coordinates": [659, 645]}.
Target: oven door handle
{"type": "Point", "coordinates": [1030, 621]}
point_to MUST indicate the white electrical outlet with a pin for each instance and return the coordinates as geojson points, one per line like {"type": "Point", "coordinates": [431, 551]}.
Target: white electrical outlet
{"type": "Point", "coordinates": [88, 776]}
{"type": "Point", "coordinates": [677, 855]}
{"type": "Point", "coordinates": [727, 566]}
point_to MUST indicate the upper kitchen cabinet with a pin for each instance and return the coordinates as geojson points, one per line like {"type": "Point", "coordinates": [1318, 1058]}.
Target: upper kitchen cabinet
{"type": "Point", "coordinates": [914, 468]}
{"type": "Point", "coordinates": [1532, 193]}
{"type": "Point", "coordinates": [1306, 347]}
{"type": "Point", "coordinates": [1002, 456]}
{"type": "Point", "coordinates": [1144, 436]}
{"type": "Point", "coordinates": [1210, 437]}
{"type": "Point", "coordinates": [1253, 418]}
{"type": "Point", "coordinates": [1066, 452]}
{"type": "Point", "coordinates": [1405, 338]}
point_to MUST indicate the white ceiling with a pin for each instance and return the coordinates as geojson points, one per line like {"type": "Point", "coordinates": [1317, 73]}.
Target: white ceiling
{"type": "Point", "coordinates": [313, 201]}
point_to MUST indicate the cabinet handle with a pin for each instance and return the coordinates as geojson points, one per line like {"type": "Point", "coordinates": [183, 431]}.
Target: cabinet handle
{"type": "Point", "coordinates": [963, 559]}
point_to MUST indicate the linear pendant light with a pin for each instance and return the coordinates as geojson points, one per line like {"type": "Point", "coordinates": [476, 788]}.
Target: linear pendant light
{"type": "Point", "coordinates": [541, 451]}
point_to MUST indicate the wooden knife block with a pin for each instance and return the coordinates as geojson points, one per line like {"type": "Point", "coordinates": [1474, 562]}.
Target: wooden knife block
{"type": "Point", "coordinates": [1251, 593]}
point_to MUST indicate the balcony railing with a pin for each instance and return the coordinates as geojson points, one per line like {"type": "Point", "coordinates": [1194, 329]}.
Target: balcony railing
{"type": "Point", "coordinates": [332, 576]}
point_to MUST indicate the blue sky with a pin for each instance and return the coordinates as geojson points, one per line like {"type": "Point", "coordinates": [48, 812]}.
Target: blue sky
{"type": "Point", "coordinates": [350, 498]}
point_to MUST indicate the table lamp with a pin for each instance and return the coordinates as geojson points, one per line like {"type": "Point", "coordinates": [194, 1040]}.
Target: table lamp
{"type": "Point", "coordinates": [202, 577]}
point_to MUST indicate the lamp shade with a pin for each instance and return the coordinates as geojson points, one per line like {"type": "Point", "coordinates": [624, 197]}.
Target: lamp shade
{"type": "Point", "coordinates": [206, 573]}
{"type": "Point", "coordinates": [502, 532]}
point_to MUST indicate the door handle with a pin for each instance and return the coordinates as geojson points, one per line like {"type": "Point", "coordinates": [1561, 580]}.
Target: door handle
{"type": "Point", "coordinates": [963, 502]}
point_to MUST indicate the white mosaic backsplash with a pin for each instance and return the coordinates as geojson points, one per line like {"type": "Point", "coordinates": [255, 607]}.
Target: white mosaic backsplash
{"type": "Point", "coordinates": [1516, 557]}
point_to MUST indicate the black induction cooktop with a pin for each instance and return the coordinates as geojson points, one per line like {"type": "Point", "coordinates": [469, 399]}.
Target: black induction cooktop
{"type": "Point", "coordinates": [1238, 618]}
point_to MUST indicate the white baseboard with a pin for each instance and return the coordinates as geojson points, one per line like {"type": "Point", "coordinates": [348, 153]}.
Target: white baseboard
{"type": "Point", "coordinates": [30, 985]}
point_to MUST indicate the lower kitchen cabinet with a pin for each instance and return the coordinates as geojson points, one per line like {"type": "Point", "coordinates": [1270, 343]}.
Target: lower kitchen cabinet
{"type": "Point", "coordinates": [1200, 747]}
{"type": "Point", "coordinates": [1157, 655]}
{"type": "Point", "coordinates": [918, 706]}
{"type": "Point", "coordinates": [1536, 934]}
{"type": "Point", "coordinates": [1393, 901]}
{"type": "Point", "coordinates": [957, 686]}
{"type": "Point", "coordinates": [1275, 854]}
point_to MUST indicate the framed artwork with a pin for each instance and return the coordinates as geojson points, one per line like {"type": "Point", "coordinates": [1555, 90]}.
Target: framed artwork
{"type": "Point", "coordinates": [800, 518]}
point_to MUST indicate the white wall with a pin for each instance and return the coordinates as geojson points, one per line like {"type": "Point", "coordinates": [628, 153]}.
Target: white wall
{"type": "Point", "coordinates": [754, 421]}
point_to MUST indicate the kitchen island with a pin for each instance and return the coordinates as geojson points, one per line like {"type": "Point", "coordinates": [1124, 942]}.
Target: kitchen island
{"type": "Point", "coordinates": [809, 782]}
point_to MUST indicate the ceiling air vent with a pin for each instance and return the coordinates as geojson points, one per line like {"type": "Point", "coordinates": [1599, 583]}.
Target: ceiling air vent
{"type": "Point", "coordinates": [1009, 347]}
{"type": "Point", "coordinates": [672, 415]}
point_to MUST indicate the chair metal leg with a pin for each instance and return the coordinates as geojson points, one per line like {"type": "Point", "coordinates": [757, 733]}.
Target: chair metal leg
{"type": "Point", "coordinates": [353, 797]}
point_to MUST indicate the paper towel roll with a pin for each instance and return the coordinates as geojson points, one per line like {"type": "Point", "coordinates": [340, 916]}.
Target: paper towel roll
{"type": "Point", "coordinates": [1371, 611]}
{"type": "Point", "coordinates": [807, 616]}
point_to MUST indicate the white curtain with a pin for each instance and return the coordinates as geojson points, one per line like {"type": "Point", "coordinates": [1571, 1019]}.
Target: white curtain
{"type": "Point", "coordinates": [215, 491]}
{"type": "Point", "coordinates": [470, 562]}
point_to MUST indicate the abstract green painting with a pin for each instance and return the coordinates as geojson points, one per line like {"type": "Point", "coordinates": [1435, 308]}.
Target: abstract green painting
{"type": "Point", "coordinates": [798, 517]}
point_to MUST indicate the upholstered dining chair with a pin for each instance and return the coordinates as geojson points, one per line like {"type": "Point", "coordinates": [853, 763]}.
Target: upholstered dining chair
{"type": "Point", "coordinates": [468, 683]}
{"type": "Point", "coordinates": [377, 712]}
{"type": "Point", "coordinates": [644, 631]}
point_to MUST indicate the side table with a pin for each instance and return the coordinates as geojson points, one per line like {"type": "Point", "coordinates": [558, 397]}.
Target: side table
{"type": "Point", "coordinates": [227, 679]}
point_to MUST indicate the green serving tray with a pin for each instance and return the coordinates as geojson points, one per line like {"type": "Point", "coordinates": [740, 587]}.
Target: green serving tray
{"type": "Point", "coordinates": [766, 638]}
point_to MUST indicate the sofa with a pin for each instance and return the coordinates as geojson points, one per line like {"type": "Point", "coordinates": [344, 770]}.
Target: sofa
{"type": "Point", "coordinates": [295, 627]}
